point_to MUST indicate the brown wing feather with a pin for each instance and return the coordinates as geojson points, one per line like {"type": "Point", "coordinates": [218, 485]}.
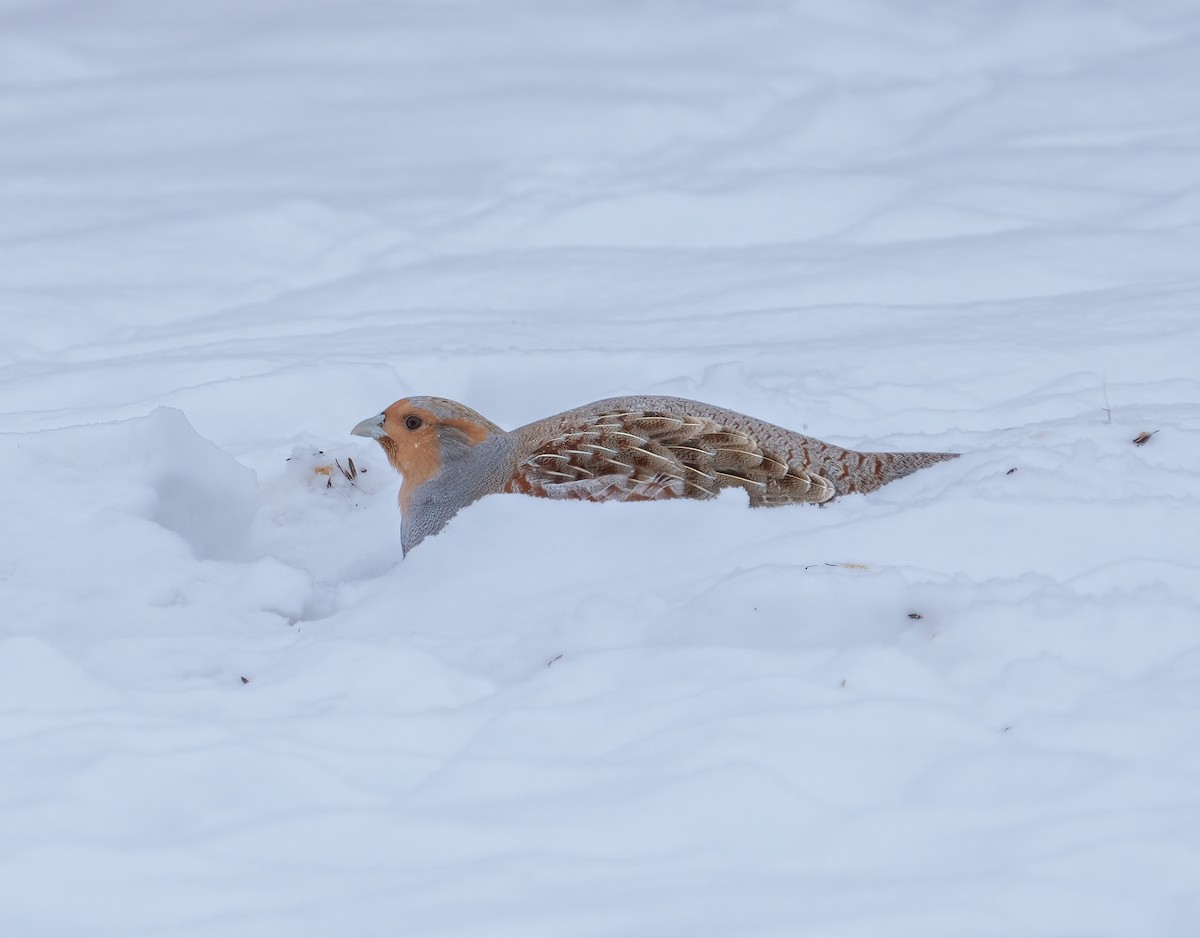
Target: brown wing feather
{"type": "Point", "coordinates": [643, 455]}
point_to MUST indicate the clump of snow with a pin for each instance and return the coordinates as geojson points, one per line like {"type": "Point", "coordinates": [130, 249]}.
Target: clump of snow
{"type": "Point", "coordinates": [200, 492]}
{"type": "Point", "coordinates": [966, 704]}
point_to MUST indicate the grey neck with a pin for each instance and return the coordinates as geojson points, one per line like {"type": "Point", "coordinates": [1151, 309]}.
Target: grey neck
{"type": "Point", "coordinates": [466, 476]}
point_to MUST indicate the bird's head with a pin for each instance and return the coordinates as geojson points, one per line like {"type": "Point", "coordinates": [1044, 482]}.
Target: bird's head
{"type": "Point", "coordinates": [422, 436]}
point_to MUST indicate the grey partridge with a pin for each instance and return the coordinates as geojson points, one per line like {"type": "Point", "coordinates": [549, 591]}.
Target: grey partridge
{"type": "Point", "coordinates": [620, 449]}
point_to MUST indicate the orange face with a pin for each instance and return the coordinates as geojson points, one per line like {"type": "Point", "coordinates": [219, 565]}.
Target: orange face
{"type": "Point", "coordinates": [411, 442]}
{"type": "Point", "coordinates": [412, 431]}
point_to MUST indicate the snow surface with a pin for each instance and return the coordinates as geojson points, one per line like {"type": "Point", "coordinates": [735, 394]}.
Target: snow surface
{"type": "Point", "coordinates": [966, 705]}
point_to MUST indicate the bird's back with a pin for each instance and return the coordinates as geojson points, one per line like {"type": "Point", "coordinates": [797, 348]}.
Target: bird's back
{"type": "Point", "coordinates": [647, 447]}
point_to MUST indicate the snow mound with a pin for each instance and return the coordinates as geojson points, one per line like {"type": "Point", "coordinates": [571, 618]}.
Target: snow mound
{"type": "Point", "coordinates": [201, 493]}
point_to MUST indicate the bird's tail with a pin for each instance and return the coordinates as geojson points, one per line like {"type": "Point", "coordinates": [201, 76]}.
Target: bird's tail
{"type": "Point", "coordinates": [878, 469]}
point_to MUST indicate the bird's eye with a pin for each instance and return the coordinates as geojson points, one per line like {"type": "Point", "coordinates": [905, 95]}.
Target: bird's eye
{"type": "Point", "coordinates": [413, 422]}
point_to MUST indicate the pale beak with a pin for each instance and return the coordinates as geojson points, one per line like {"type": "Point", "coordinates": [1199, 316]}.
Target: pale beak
{"type": "Point", "coordinates": [372, 427]}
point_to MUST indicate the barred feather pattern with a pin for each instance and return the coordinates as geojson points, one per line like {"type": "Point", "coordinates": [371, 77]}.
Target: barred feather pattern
{"type": "Point", "coordinates": [643, 448]}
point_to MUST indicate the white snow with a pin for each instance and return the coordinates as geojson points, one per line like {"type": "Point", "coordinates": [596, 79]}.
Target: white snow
{"type": "Point", "coordinates": [965, 705]}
